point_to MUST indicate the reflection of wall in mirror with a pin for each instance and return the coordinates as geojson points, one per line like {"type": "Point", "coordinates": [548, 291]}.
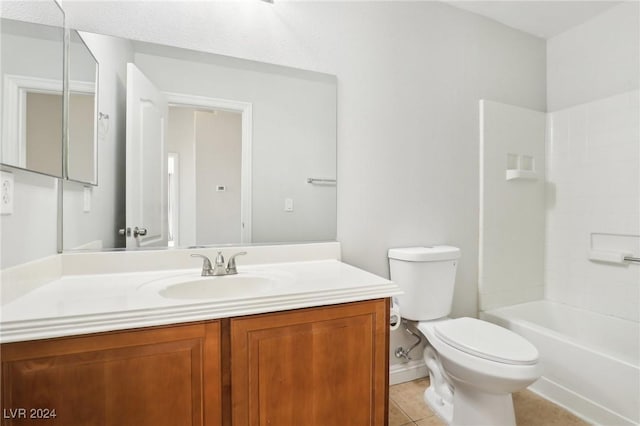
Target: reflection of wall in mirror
{"type": "Point", "coordinates": [81, 158]}
{"type": "Point", "coordinates": [81, 135]}
{"type": "Point", "coordinates": [293, 138]}
{"type": "Point", "coordinates": [218, 163]}
{"type": "Point", "coordinates": [44, 133]}
{"type": "Point", "coordinates": [43, 61]}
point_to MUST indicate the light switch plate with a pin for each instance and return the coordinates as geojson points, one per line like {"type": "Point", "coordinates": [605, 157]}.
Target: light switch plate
{"type": "Point", "coordinates": [86, 205]}
{"type": "Point", "coordinates": [288, 204]}
{"type": "Point", "coordinates": [7, 188]}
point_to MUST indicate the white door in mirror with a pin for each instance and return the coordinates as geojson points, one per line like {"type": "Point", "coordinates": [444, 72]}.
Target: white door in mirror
{"type": "Point", "coordinates": [146, 209]}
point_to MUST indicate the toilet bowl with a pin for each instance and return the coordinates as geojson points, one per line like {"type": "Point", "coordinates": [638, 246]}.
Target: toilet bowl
{"type": "Point", "coordinates": [484, 363]}
{"type": "Point", "coordinates": [474, 365]}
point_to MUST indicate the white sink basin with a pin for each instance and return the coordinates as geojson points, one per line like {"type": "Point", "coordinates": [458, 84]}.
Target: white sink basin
{"type": "Point", "coordinates": [224, 287]}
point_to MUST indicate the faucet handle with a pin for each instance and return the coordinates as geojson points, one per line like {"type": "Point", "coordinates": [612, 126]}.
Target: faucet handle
{"type": "Point", "coordinates": [231, 266]}
{"type": "Point", "coordinates": [206, 264]}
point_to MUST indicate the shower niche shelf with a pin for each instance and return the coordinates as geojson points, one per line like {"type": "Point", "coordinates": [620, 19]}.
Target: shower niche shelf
{"type": "Point", "coordinates": [513, 174]}
{"type": "Point", "coordinates": [522, 167]}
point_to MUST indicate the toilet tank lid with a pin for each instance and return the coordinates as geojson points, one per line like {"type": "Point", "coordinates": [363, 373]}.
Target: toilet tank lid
{"type": "Point", "coordinates": [425, 254]}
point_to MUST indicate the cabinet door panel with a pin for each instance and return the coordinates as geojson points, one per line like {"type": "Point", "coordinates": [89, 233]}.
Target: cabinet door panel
{"type": "Point", "coordinates": [146, 377]}
{"type": "Point", "coordinates": [320, 366]}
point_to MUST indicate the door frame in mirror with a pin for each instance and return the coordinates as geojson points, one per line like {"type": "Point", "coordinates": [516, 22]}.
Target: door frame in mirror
{"type": "Point", "coordinates": [14, 117]}
{"type": "Point", "coordinates": [246, 110]}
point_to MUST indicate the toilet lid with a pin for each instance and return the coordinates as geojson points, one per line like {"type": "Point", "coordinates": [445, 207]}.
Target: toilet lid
{"type": "Point", "coordinates": [486, 340]}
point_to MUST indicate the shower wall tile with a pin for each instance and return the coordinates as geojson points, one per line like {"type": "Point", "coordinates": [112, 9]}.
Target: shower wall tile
{"type": "Point", "coordinates": [593, 186]}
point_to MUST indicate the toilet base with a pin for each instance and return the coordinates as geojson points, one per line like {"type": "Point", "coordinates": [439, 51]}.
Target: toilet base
{"type": "Point", "coordinates": [474, 408]}
{"type": "Point", "coordinates": [442, 408]}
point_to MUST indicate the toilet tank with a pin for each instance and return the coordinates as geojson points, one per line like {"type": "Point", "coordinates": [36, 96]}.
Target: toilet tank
{"type": "Point", "coordinates": [427, 276]}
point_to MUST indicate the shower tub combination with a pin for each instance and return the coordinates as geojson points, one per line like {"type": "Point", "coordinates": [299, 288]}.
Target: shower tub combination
{"type": "Point", "coordinates": [591, 362]}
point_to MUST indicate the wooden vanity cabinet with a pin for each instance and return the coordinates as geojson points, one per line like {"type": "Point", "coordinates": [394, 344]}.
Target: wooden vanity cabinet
{"type": "Point", "coordinates": [142, 377]}
{"type": "Point", "coordinates": [314, 367]}
{"type": "Point", "coordinates": [320, 366]}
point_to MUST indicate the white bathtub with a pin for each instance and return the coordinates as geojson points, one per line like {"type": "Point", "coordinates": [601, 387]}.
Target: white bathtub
{"type": "Point", "coordinates": [591, 362]}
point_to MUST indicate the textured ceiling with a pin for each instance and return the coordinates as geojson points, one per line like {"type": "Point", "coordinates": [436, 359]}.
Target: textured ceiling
{"type": "Point", "coordinates": [543, 18]}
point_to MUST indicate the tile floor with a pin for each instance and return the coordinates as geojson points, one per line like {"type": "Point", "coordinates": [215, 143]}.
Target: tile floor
{"type": "Point", "coordinates": [407, 408]}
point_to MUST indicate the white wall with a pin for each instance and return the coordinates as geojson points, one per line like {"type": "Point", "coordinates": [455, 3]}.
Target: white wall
{"type": "Point", "coordinates": [596, 59]}
{"type": "Point", "coordinates": [512, 211]}
{"type": "Point", "coordinates": [31, 231]}
{"type": "Point", "coordinates": [101, 224]}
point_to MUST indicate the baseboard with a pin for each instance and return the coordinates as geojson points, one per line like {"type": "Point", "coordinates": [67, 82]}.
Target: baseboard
{"type": "Point", "coordinates": [587, 410]}
{"type": "Point", "coordinates": [405, 372]}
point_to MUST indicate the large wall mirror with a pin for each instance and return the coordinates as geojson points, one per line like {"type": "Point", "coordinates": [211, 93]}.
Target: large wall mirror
{"type": "Point", "coordinates": [198, 149]}
{"type": "Point", "coordinates": [31, 72]}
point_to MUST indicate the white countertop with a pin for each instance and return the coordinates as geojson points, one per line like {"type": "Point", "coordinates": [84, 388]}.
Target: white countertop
{"type": "Point", "coordinates": [80, 304]}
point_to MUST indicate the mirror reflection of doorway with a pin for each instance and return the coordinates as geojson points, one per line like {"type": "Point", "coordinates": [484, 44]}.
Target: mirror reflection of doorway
{"type": "Point", "coordinates": [205, 177]}
{"type": "Point", "coordinates": [211, 181]}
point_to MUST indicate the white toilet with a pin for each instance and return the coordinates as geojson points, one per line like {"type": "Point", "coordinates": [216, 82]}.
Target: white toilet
{"type": "Point", "coordinates": [474, 365]}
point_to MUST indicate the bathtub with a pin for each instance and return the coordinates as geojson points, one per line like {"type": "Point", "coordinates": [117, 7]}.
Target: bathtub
{"type": "Point", "coordinates": [591, 362]}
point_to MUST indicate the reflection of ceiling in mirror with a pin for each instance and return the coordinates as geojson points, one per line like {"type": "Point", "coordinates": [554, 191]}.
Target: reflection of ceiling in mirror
{"type": "Point", "coordinates": [26, 29]}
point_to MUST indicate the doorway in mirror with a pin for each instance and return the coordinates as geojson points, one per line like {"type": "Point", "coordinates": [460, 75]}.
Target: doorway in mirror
{"type": "Point", "coordinates": [188, 163]}
{"type": "Point", "coordinates": [205, 176]}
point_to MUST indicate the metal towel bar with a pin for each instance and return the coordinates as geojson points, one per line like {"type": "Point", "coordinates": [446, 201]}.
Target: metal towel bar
{"type": "Point", "coordinates": [632, 259]}
{"type": "Point", "coordinates": [324, 181]}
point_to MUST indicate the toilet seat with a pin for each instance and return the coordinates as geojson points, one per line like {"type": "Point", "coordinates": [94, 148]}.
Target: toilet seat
{"type": "Point", "coordinates": [486, 340]}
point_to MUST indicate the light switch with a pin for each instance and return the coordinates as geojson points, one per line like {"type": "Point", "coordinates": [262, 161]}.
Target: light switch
{"type": "Point", "coordinates": [7, 193]}
{"type": "Point", "coordinates": [288, 204]}
{"type": "Point", "coordinates": [86, 206]}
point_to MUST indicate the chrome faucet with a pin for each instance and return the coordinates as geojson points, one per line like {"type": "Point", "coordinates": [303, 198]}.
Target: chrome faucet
{"type": "Point", "coordinates": [218, 269]}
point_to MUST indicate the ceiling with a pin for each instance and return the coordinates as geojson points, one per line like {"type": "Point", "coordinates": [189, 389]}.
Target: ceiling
{"type": "Point", "coordinates": [542, 18]}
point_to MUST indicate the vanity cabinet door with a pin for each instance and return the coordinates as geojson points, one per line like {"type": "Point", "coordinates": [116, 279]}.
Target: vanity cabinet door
{"type": "Point", "coordinates": [314, 367]}
{"type": "Point", "coordinates": [141, 377]}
